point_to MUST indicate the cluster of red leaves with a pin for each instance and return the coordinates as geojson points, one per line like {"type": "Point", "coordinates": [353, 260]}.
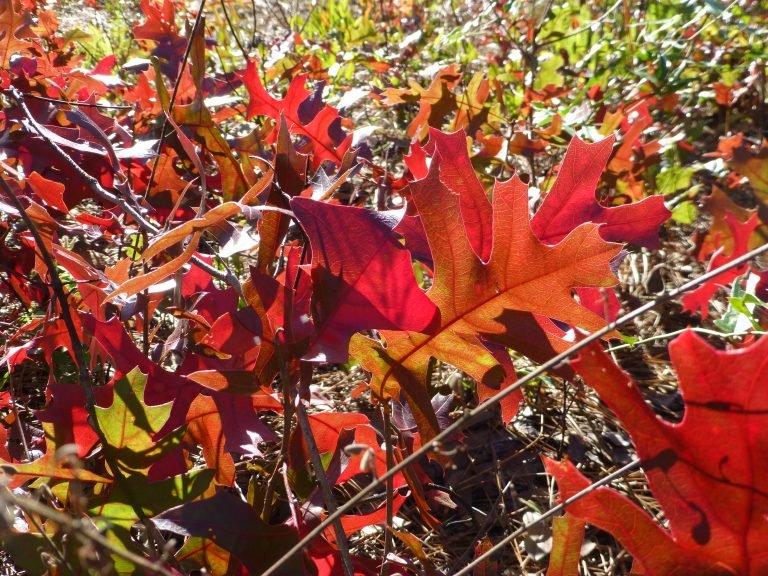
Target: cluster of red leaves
{"type": "Point", "coordinates": [189, 356]}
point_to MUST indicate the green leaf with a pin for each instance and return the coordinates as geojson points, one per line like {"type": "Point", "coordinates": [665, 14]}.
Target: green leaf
{"type": "Point", "coordinates": [675, 178]}
{"type": "Point", "coordinates": [129, 426]}
{"type": "Point", "coordinates": [116, 512]}
{"type": "Point", "coordinates": [741, 306]}
{"type": "Point", "coordinates": [685, 212]}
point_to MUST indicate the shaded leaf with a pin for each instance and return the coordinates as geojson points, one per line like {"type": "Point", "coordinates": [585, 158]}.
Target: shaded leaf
{"type": "Point", "coordinates": [362, 277]}
{"type": "Point", "coordinates": [238, 529]}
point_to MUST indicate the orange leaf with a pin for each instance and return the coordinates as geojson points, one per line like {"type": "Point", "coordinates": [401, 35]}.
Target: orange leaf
{"type": "Point", "coordinates": [14, 28]}
{"type": "Point", "coordinates": [476, 298]}
{"type": "Point", "coordinates": [567, 537]}
{"type": "Point", "coordinates": [136, 285]}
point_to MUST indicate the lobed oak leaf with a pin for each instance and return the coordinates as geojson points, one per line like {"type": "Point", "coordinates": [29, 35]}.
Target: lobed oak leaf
{"type": "Point", "coordinates": [49, 465]}
{"type": "Point", "coordinates": [333, 432]}
{"type": "Point", "coordinates": [162, 386]}
{"type": "Point", "coordinates": [457, 173]}
{"type": "Point", "coordinates": [489, 300]}
{"type": "Point", "coordinates": [49, 191]}
{"type": "Point", "coordinates": [237, 527]}
{"type": "Point", "coordinates": [751, 163]}
{"type": "Point", "coordinates": [319, 130]}
{"type": "Point", "coordinates": [64, 421]}
{"type": "Point", "coordinates": [15, 33]}
{"type": "Point", "coordinates": [708, 472]}
{"type": "Point", "coordinates": [160, 22]}
{"type": "Point", "coordinates": [160, 27]}
{"type": "Point", "coordinates": [52, 336]}
{"type": "Point", "coordinates": [719, 234]}
{"type": "Point", "coordinates": [178, 391]}
{"type": "Point", "coordinates": [130, 425]}
{"type": "Point", "coordinates": [137, 497]}
{"type": "Point", "coordinates": [204, 428]}
{"type": "Point", "coordinates": [65, 410]}
{"type": "Point", "coordinates": [435, 102]}
{"type": "Point", "coordinates": [741, 232]}
{"type": "Point", "coordinates": [571, 201]}
{"type": "Point", "coordinates": [473, 111]}
{"type": "Point", "coordinates": [203, 552]}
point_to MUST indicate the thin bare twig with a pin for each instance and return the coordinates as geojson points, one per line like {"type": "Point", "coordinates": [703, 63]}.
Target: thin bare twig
{"type": "Point", "coordinates": [288, 409]}
{"type": "Point", "coordinates": [589, 26]}
{"type": "Point", "coordinates": [471, 414]}
{"type": "Point", "coordinates": [100, 192]}
{"type": "Point", "coordinates": [80, 104]}
{"type": "Point", "coordinates": [232, 30]}
{"type": "Point", "coordinates": [185, 58]}
{"type": "Point", "coordinates": [386, 408]}
{"type": "Point", "coordinates": [325, 486]}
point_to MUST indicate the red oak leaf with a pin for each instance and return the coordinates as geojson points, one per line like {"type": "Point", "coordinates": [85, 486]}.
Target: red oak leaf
{"type": "Point", "coordinates": [456, 173]}
{"type": "Point", "coordinates": [66, 410]}
{"type": "Point", "coordinates": [709, 472]}
{"type": "Point", "coordinates": [204, 428]}
{"type": "Point", "coordinates": [328, 428]}
{"type": "Point", "coordinates": [542, 337]}
{"type": "Point", "coordinates": [162, 386]}
{"type": "Point", "coordinates": [16, 31]}
{"type": "Point", "coordinates": [571, 202]}
{"type": "Point", "coordinates": [64, 421]}
{"type": "Point", "coordinates": [602, 301]}
{"type": "Point", "coordinates": [237, 528]}
{"type": "Point", "coordinates": [160, 23]}
{"type": "Point", "coordinates": [741, 232]}
{"type": "Point", "coordinates": [52, 336]}
{"type": "Point", "coordinates": [50, 192]}
{"type": "Point", "coordinates": [719, 235]}
{"type": "Point", "coordinates": [319, 130]}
